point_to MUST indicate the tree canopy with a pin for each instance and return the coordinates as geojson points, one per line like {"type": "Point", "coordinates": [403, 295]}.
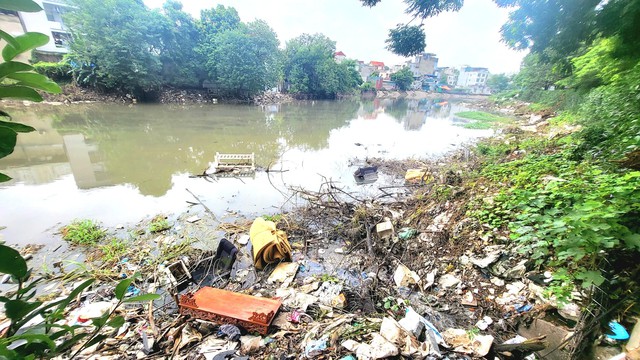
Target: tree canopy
{"type": "Point", "coordinates": [403, 78]}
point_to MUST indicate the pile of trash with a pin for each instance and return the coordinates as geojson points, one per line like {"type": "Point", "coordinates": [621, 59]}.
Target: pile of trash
{"type": "Point", "coordinates": [403, 275]}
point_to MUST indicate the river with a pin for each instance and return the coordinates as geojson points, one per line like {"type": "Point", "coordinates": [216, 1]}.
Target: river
{"type": "Point", "coordinates": [119, 164]}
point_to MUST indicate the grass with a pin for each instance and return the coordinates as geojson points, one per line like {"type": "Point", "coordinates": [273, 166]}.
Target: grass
{"type": "Point", "coordinates": [113, 250]}
{"type": "Point", "coordinates": [483, 120]}
{"type": "Point", "coordinates": [83, 232]}
{"type": "Point", "coordinates": [159, 223]}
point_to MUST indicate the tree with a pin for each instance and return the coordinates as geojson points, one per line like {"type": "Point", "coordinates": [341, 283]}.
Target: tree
{"type": "Point", "coordinates": [498, 82]}
{"type": "Point", "coordinates": [120, 41]}
{"type": "Point", "coordinates": [305, 56]}
{"type": "Point", "coordinates": [403, 78]}
{"type": "Point", "coordinates": [181, 63]}
{"type": "Point", "coordinates": [406, 40]}
{"type": "Point", "coordinates": [246, 59]}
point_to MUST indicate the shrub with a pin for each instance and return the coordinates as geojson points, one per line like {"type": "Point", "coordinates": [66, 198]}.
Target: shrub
{"type": "Point", "coordinates": [60, 71]}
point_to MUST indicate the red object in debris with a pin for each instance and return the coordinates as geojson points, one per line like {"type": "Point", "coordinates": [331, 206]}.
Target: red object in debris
{"type": "Point", "coordinates": [226, 307]}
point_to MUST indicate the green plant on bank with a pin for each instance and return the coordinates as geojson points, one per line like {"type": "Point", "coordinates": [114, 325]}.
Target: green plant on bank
{"type": "Point", "coordinates": [19, 80]}
{"type": "Point", "coordinates": [159, 223]}
{"type": "Point", "coordinates": [48, 338]}
{"type": "Point", "coordinates": [83, 232]}
{"type": "Point", "coordinates": [482, 119]}
{"type": "Point", "coordinates": [573, 217]}
{"type": "Point", "coordinates": [57, 71]}
{"type": "Point", "coordinates": [113, 250]}
{"type": "Point", "coordinates": [275, 217]}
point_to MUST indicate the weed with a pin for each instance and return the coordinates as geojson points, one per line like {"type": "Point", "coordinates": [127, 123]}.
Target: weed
{"type": "Point", "coordinates": [159, 223]}
{"type": "Point", "coordinates": [275, 218]}
{"type": "Point", "coordinates": [83, 232]}
{"type": "Point", "coordinates": [482, 119]}
{"type": "Point", "coordinates": [113, 250]}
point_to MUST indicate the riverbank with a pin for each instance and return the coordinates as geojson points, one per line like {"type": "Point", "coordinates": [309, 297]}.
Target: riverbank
{"type": "Point", "coordinates": [72, 93]}
{"type": "Point", "coordinates": [434, 252]}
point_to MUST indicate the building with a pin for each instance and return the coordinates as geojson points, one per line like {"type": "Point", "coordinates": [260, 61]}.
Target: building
{"type": "Point", "coordinates": [424, 64]}
{"type": "Point", "coordinates": [339, 56]}
{"type": "Point", "coordinates": [377, 65]}
{"type": "Point", "coordinates": [447, 75]}
{"type": "Point", "coordinates": [50, 23]}
{"type": "Point", "coordinates": [474, 79]}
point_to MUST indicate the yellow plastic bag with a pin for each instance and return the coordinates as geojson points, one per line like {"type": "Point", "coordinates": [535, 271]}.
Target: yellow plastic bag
{"type": "Point", "coordinates": [269, 245]}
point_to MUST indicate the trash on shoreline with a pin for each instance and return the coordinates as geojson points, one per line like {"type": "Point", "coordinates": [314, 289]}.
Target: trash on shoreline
{"type": "Point", "coordinates": [269, 245]}
{"type": "Point", "coordinates": [226, 307]}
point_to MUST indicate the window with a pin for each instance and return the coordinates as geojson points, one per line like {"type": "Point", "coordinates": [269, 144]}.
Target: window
{"type": "Point", "coordinates": [61, 39]}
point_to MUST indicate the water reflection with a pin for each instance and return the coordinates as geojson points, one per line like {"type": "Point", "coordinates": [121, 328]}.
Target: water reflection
{"type": "Point", "coordinates": [120, 163]}
{"type": "Point", "coordinates": [145, 145]}
{"type": "Point", "coordinates": [412, 113]}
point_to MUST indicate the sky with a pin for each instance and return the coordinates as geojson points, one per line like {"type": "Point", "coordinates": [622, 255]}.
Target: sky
{"type": "Point", "coordinates": [468, 37]}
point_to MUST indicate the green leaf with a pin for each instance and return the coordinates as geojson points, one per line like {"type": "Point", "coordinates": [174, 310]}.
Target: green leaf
{"type": "Point", "coordinates": [17, 127]}
{"type": "Point", "coordinates": [71, 342]}
{"type": "Point", "coordinates": [77, 291]}
{"type": "Point", "coordinates": [8, 38]}
{"type": "Point", "coordinates": [8, 139]}
{"type": "Point", "coordinates": [10, 260]}
{"type": "Point", "coordinates": [143, 297]}
{"type": "Point", "coordinates": [27, 41]}
{"type": "Point", "coordinates": [20, 5]}
{"type": "Point", "coordinates": [5, 114]}
{"type": "Point", "coordinates": [17, 309]}
{"type": "Point", "coordinates": [100, 321]}
{"type": "Point", "coordinates": [19, 92]}
{"type": "Point", "coordinates": [37, 339]}
{"type": "Point", "coordinates": [4, 178]}
{"type": "Point", "coordinates": [37, 81]}
{"type": "Point", "coordinates": [10, 67]}
{"type": "Point", "coordinates": [116, 322]}
{"type": "Point", "coordinates": [94, 341]}
{"type": "Point", "coordinates": [122, 286]}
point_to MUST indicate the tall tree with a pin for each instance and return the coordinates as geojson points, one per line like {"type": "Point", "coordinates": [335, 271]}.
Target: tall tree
{"type": "Point", "coordinates": [181, 63]}
{"type": "Point", "coordinates": [498, 82]}
{"type": "Point", "coordinates": [246, 59]}
{"type": "Point", "coordinates": [306, 60]}
{"type": "Point", "coordinates": [214, 22]}
{"type": "Point", "coordinates": [119, 43]}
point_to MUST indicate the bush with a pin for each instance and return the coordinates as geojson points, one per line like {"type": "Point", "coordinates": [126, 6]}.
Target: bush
{"type": "Point", "coordinates": [60, 71]}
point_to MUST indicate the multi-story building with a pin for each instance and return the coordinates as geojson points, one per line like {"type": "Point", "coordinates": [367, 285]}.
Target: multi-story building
{"type": "Point", "coordinates": [339, 56]}
{"type": "Point", "coordinates": [474, 79]}
{"type": "Point", "coordinates": [50, 23]}
{"type": "Point", "coordinates": [447, 75]}
{"type": "Point", "coordinates": [423, 64]}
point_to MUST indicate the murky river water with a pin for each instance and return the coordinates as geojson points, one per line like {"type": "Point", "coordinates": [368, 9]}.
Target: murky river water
{"type": "Point", "coordinates": [119, 164]}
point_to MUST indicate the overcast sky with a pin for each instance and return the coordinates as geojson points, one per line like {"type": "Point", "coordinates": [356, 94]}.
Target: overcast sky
{"type": "Point", "coordinates": [468, 37]}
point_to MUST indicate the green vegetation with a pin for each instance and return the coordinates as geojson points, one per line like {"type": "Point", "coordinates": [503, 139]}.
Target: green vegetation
{"type": "Point", "coordinates": [483, 120]}
{"type": "Point", "coordinates": [19, 80]}
{"type": "Point", "coordinates": [148, 49]}
{"type": "Point", "coordinates": [49, 339]}
{"type": "Point", "coordinates": [572, 216]}
{"type": "Point", "coordinates": [83, 232]}
{"type": "Point", "coordinates": [113, 250]}
{"type": "Point", "coordinates": [311, 71]}
{"type": "Point", "coordinates": [60, 71]}
{"type": "Point", "coordinates": [159, 223]}
{"type": "Point", "coordinates": [403, 78]}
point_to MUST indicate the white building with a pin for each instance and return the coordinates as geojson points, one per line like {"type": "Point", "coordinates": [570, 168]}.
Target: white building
{"type": "Point", "coordinates": [474, 79]}
{"type": "Point", "coordinates": [48, 22]}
